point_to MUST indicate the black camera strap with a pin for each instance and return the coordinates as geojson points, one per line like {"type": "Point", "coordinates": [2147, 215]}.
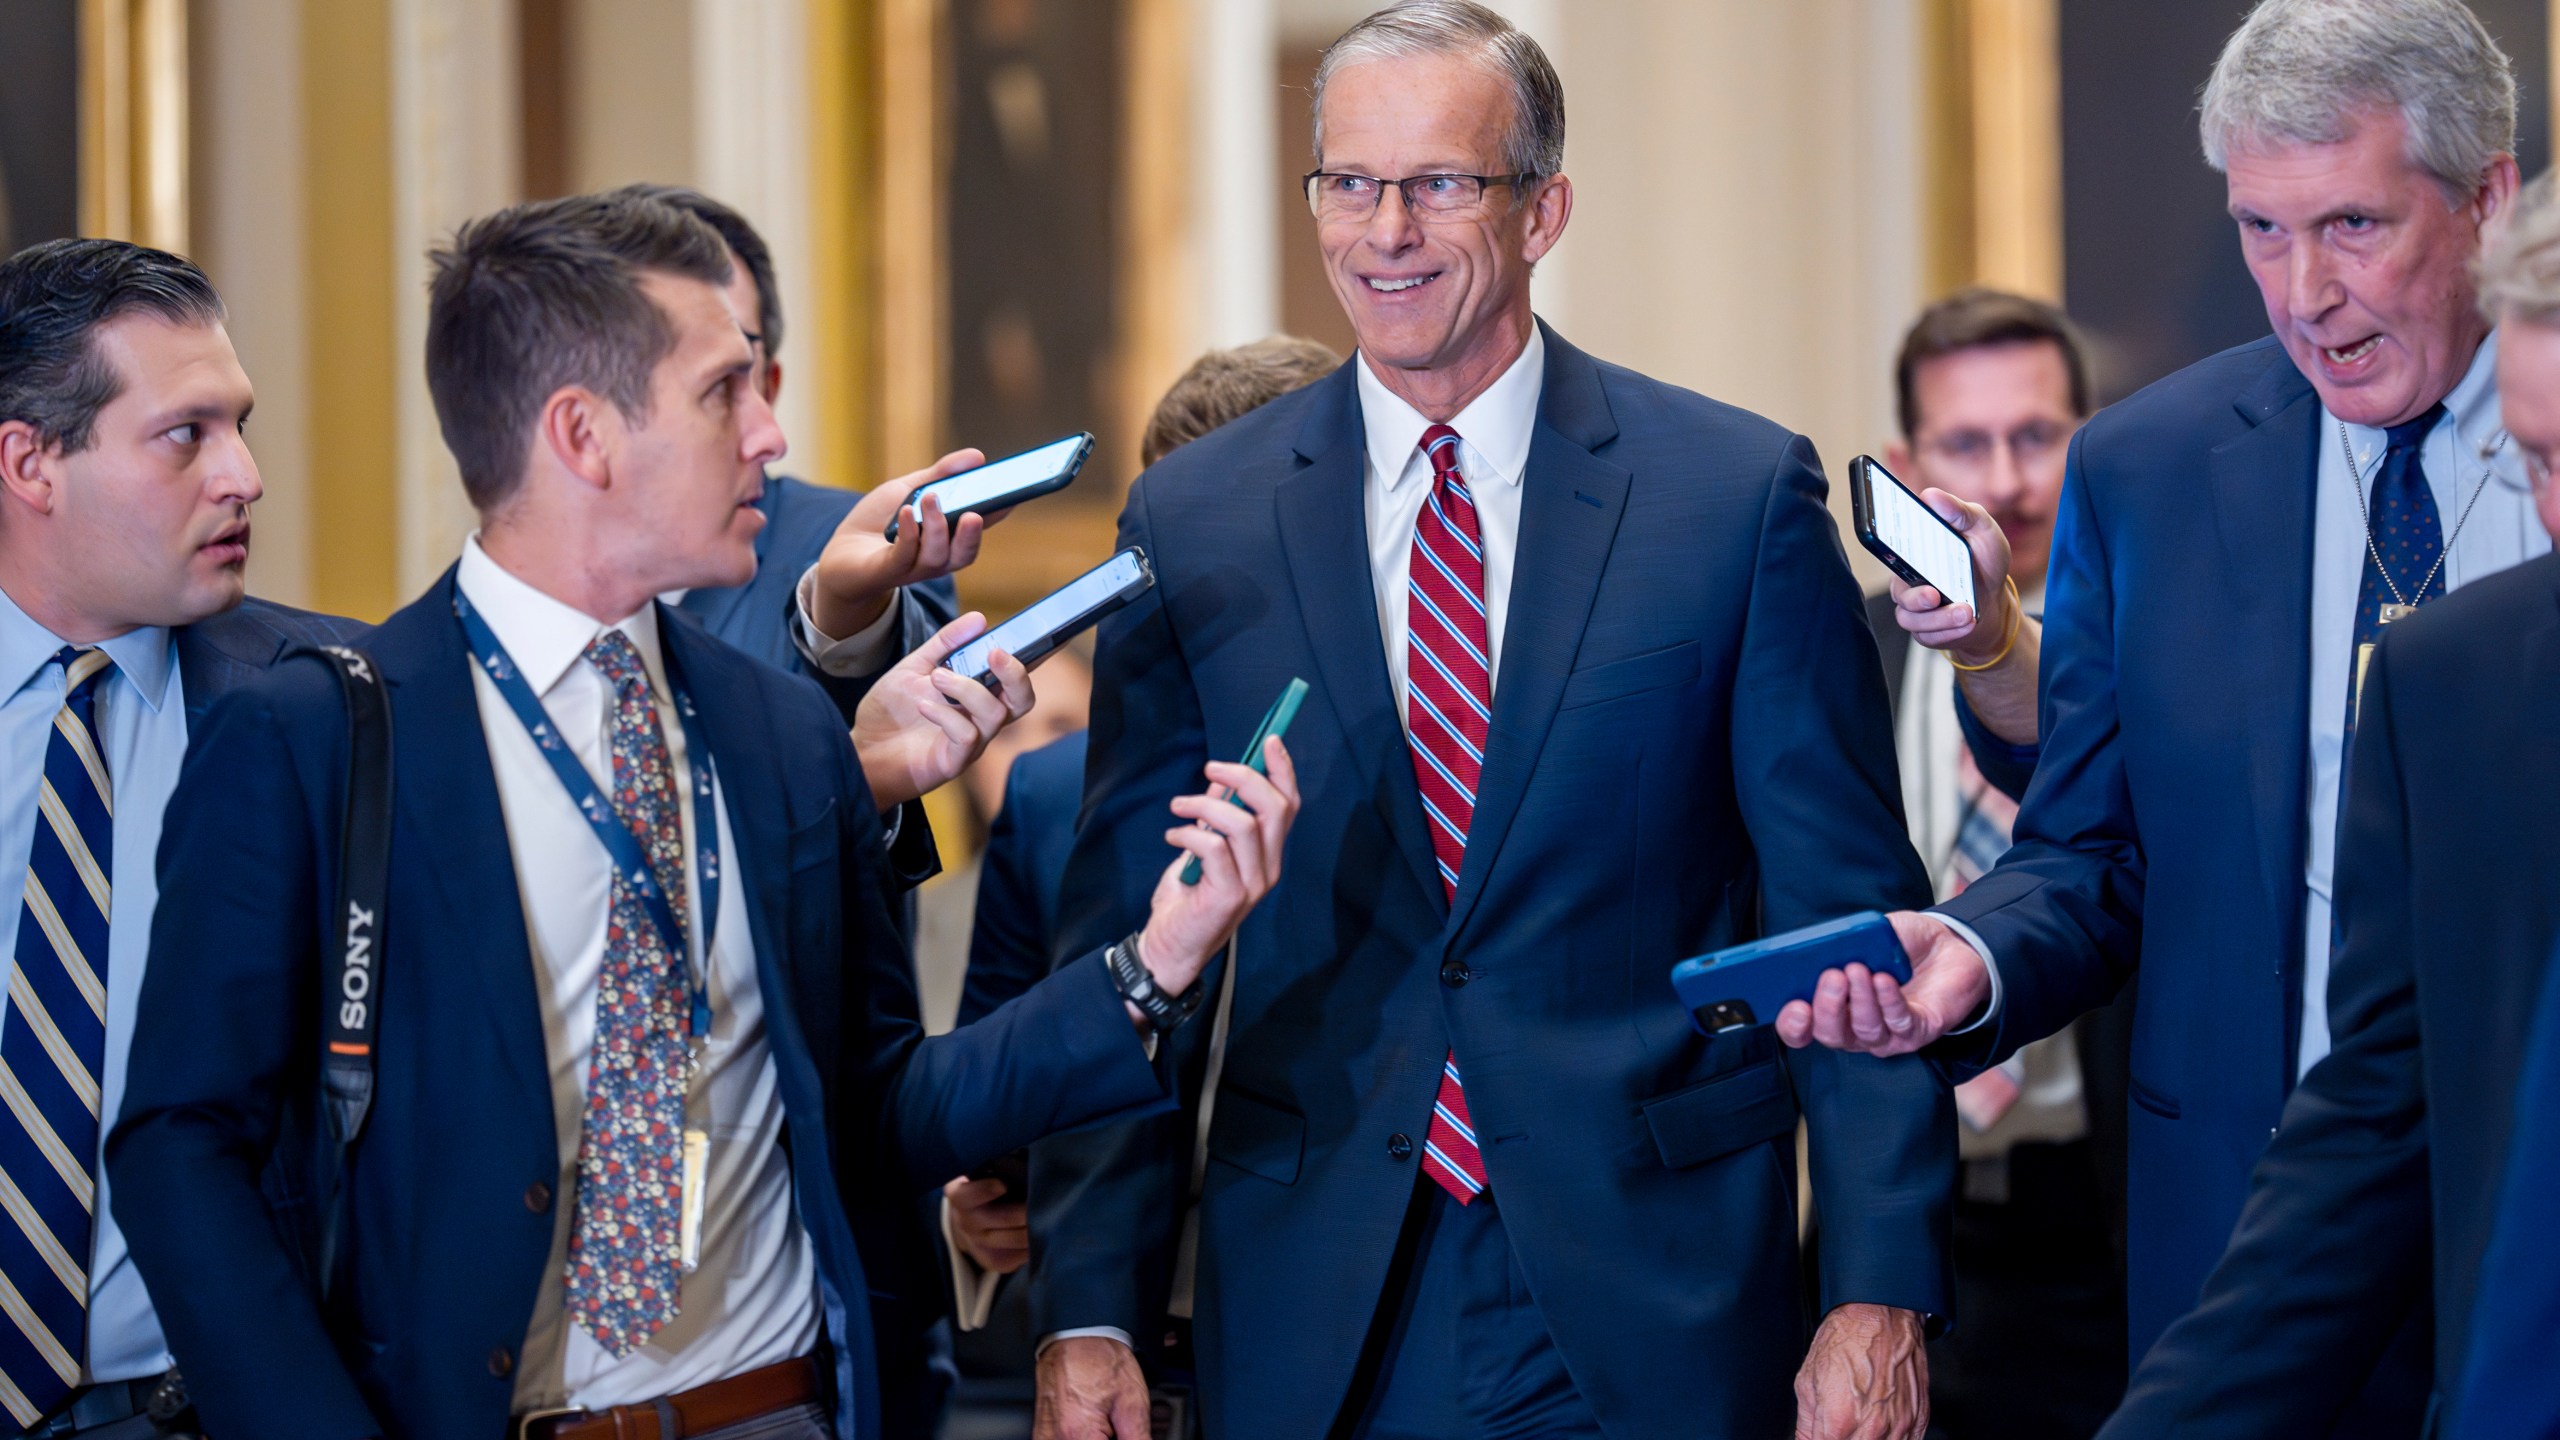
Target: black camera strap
{"type": "Point", "coordinates": [351, 970]}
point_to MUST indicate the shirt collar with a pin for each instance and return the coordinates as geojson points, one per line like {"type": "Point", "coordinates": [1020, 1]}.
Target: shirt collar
{"type": "Point", "coordinates": [542, 635]}
{"type": "Point", "coordinates": [145, 657]}
{"type": "Point", "coordinates": [2470, 411]}
{"type": "Point", "coordinates": [1496, 425]}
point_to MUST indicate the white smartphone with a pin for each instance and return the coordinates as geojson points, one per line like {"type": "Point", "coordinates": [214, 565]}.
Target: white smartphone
{"type": "Point", "coordinates": [1900, 529]}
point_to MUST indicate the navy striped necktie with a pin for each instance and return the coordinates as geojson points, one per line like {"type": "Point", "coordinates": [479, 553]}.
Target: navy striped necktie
{"type": "Point", "coordinates": [52, 1053]}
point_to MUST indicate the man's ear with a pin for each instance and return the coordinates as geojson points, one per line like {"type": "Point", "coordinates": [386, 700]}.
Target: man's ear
{"type": "Point", "coordinates": [1897, 458]}
{"type": "Point", "coordinates": [1550, 206]}
{"type": "Point", "coordinates": [579, 430]}
{"type": "Point", "coordinates": [30, 470]}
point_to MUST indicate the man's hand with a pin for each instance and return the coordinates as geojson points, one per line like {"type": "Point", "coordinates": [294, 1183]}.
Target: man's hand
{"type": "Point", "coordinates": [1922, 612]}
{"type": "Point", "coordinates": [1090, 1389]}
{"type": "Point", "coordinates": [993, 1231]}
{"type": "Point", "coordinates": [921, 725]}
{"type": "Point", "coordinates": [1874, 1014]}
{"type": "Point", "coordinates": [1239, 854]}
{"type": "Point", "coordinates": [1866, 1377]}
{"type": "Point", "coordinates": [859, 571]}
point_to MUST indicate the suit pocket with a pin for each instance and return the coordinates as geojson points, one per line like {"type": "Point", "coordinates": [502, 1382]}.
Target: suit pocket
{"type": "Point", "coordinates": [1254, 1135]}
{"type": "Point", "coordinates": [1714, 1118]}
{"type": "Point", "coordinates": [2164, 1106]}
{"type": "Point", "coordinates": [1618, 679]}
{"type": "Point", "coordinates": [815, 843]}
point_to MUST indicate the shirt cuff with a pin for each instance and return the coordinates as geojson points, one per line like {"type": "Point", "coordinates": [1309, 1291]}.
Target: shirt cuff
{"type": "Point", "coordinates": [1966, 933]}
{"type": "Point", "coordinates": [867, 653]}
{"type": "Point", "coordinates": [973, 1290]}
{"type": "Point", "coordinates": [1107, 1332]}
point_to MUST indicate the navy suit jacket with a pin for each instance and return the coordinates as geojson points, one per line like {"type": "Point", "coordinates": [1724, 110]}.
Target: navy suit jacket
{"type": "Point", "coordinates": [2385, 1174]}
{"type": "Point", "coordinates": [799, 519]}
{"type": "Point", "coordinates": [446, 1242]}
{"type": "Point", "coordinates": [1689, 747]}
{"type": "Point", "coordinates": [2509, 1386]}
{"type": "Point", "coordinates": [1016, 928]}
{"type": "Point", "coordinates": [2176, 689]}
{"type": "Point", "coordinates": [223, 653]}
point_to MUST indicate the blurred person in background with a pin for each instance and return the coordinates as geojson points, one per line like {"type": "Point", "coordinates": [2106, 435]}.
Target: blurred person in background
{"type": "Point", "coordinates": [1989, 388]}
{"type": "Point", "coordinates": [1592, 691]}
{"type": "Point", "coordinates": [126, 489]}
{"type": "Point", "coordinates": [1033, 791]}
{"type": "Point", "coordinates": [2233, 541]}
{"type": "Point", "coordinates": [2384, 1184]}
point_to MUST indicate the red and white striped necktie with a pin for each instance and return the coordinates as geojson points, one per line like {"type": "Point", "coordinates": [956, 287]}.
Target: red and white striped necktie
{"type": "Point", "coordinates": [1448, 709]}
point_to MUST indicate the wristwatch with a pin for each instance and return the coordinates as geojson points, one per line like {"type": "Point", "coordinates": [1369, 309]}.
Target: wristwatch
{"type": "Point", "coordinates": [1129, 975]}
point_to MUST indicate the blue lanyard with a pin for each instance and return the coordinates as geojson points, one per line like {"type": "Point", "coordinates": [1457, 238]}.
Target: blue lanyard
{"type": "Point", "coordinates": [615, 836]}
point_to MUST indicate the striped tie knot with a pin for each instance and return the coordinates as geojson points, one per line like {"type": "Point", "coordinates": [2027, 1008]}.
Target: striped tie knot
{"type": "Point", "coordinates": [82, 665]}
{"type": "Point", "coordinates": [1440, 446]}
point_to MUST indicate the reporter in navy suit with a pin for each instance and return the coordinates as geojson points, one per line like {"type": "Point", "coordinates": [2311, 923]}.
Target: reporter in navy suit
{"type": "Point", "coordinates": [126, 487]}
{"type": "Point", "coordinates": [552, 1042]}
{"type": "Point", "coordinates": [1471, 1169]}
{"type": "Point", "coordinates": [2212, 585]}
{"type": "Point", "coordinates": [2508, 1385]}
{"type": "Point", "coordinates": [2382, 1184]}
{"type": "Point", "coordinates": [893, 597]}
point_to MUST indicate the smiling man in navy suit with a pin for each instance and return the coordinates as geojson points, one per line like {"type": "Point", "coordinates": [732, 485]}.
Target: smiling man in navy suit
{"type": "Point", "coordinates": [652, 1108]}
{"type": "Point", "coordinates": [1593, 692]}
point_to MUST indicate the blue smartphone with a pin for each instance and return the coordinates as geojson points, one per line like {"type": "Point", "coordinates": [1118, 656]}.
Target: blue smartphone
{"type": "Point", "coordinates": [1748, 984]}
{"type": "Point", "coordinates": [1275, 723]}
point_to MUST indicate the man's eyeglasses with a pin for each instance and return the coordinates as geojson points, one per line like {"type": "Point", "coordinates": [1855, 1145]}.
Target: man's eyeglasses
{"type": "Point", "coordinates": [1975, 449]}
{"type": "Point", "coordinates": [1333, 195]}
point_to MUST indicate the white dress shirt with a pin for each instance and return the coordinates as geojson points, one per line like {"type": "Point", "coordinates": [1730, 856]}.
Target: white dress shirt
{"type": "Point", "coordinates": [140, 721]}
{"type": "Point", "coordinates": [1493, 452]}
{"type": "Point", "coordinates": [753, 1300]}
{"type": "Point", "coordinates": [2503, 531]}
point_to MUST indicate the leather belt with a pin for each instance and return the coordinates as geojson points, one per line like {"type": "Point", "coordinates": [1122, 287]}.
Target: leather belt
{"type": "Point", "coordinates": [698, 1411]}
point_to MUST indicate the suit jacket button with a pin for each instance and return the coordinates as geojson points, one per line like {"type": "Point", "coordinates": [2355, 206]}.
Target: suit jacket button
{"type": "Point", "coordinates": [1399, 1147]}
{"type": "Point", "coordinates": [501, 1364]}
{"type": "Point", "coordinates": [537, 1197]}
{"type": "Point", "coordinates": [1454, 973]}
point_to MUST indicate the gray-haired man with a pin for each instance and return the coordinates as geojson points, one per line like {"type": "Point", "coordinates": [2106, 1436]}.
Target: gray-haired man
{"type": "Point", "coordinates": [2316, 485]}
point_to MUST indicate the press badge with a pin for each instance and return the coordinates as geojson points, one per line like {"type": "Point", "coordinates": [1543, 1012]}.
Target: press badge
{"type": "Point", "coordinates": [697, 1177]}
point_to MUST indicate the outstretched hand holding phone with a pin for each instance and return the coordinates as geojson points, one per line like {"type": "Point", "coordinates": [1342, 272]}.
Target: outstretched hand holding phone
{"type": "Point", "coordinates": [1235, 830]}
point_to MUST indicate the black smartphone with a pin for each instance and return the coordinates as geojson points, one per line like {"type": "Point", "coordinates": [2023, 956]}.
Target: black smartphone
{"type": "Point", "coordinates": [999, 484]}
{"type": "Point", "coordinates": [1057, 617]}
{"type": "Point", "coordinates": [1900, 529]}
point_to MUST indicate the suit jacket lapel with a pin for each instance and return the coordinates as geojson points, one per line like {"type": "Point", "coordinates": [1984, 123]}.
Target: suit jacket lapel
{"type": "Point", "coordinates": [751, 793]}
{"type": "Point", "coordinates": [445, 795]}
{"type": "Point", "coordinates": [1569, 512]}
{"type": "Point", "coordinates": [2263, 485]}
{"type": "Point", "coordinates": [1324, 531]}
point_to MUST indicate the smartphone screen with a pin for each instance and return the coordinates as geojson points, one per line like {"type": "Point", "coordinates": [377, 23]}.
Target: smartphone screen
{"type": "Point", "coordinates": [997, 479]}
{"type": "Point", "coordinates": [1056, 611]}
{"type": "Point", "coordinates": [1909, 528]}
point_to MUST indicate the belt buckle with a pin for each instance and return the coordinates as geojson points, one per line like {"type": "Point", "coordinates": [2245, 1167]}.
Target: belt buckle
{"type": "Point", "coordinates": [523, 1427]}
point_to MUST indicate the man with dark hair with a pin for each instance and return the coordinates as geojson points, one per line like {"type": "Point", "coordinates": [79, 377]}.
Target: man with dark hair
{"type": "Point", "coordinates": [1990, 388]}
{"type": "Point", "coordinates": [125, 488]}
{"type": "Point", "coordinates": [821, 555]}
{"type": "Point", "coordinates": [651, 1107]}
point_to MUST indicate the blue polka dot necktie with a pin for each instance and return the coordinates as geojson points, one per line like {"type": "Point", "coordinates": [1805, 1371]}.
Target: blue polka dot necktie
{"type": "Point", "coordinates": [2407, 544]}
{"type": "Point", "coordinates": [52, 1052]}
